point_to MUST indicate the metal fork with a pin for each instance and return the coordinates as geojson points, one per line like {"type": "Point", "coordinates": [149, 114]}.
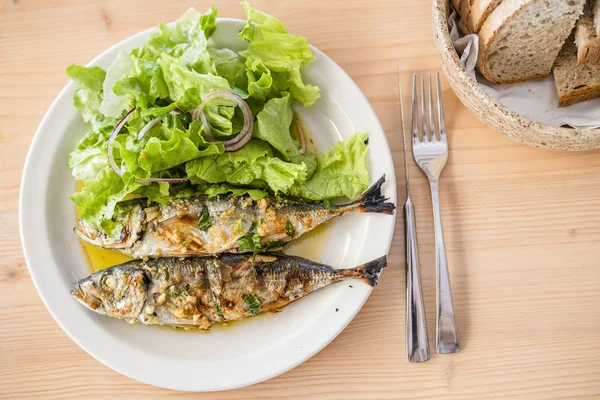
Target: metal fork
{"type": "Point", "coordinates": [430, 150]}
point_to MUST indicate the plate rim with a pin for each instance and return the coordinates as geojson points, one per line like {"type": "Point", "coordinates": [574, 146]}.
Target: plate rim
{"type": "Point", "coordinates": [28, 170]}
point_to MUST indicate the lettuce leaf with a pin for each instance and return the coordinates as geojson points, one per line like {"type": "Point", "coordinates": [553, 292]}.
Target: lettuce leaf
{"type": "Point", "coordinates": [113, 104]}
{"type": "Point", "coordinates": [274, 58]}
{"type": "Point", "coordinates": [259, 20]}
{"type": "Point", "coordinates": [176, 148]}
{"type": "Point", "coordinates": [168, 145]}
{"type": "Point", "coordinates": [230, 66]}
{"type": "Point", "coordinates": [254, 164]}
{"type": "Point", "coordinates": [146, 84]}
{"type": "Point", "coordinates": [179, 79]}
{"type": "Point", "coordinates": [99, 196]}
{"type": "Point", "coordinates": [341, 171]}
{"type": "Point", "coordinates": [185, 40]}
{"type": "Point", "coordinates": [208, 22]}
{"type": "Point", "coordinates": [273, 126]}
{"type": "Point", "coordinates": [216, 190]}
{"type": "Point", "coordinates": [89, 156]}
{"type": "Point", "coordinates": [89, 94]}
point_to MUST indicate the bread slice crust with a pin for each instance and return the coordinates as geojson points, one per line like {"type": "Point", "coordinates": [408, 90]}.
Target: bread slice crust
{"type": "Point", "coordinates": [588, 44]}
{"type": "Point", "coordinates": [506, 12]}
{"type": "Point", "coordinates": [574, 82]}
{"type": "Point", "coordinates": [596, 15]}
{"type": "Point", "coordinates": [479, 12]}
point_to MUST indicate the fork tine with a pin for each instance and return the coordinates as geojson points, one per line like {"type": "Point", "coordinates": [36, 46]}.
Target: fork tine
{"type": "Point", "coordinates": [430, 104]}
{"type": "Point", "coordinates": [424, 130]}
{"type": "Point", "coordinates": [440, 107]}
{"type": "Point", "coordinates": [414, 125]}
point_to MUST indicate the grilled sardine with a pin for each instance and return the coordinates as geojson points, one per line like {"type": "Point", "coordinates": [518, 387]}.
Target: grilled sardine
{"type": "Point", "coordinates": [199, 226]}
{"type": "Point", "coordinates": [200, 291]}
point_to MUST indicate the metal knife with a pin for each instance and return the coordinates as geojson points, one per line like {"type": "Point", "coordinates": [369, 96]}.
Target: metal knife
{"type": "Point", "coordinates": [417, 346]}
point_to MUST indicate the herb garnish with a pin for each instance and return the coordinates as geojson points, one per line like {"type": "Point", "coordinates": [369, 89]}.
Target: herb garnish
{"type": "Point", "coordinates": [289, 229]}
{"type": "Point", "coordinates": [328, 205]}
{"type": "Point", "coordinates": [205, 221]}
{"type": "Point", "coordinates": [252, 304]}
{"type": "Point", "coordinates": [274, 244]}
{"type": "Point", "coordinates": [219, 309]}
{"type": "Point", "coordinates": [237, 225]}
{"type": "Point", "coordinates": [251, 241]}
{"type": "Point", "coordinates": [165, 271]}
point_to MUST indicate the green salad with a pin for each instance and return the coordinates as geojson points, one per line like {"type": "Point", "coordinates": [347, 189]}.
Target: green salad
{"type": "Point", "coordinates": [178, 117]}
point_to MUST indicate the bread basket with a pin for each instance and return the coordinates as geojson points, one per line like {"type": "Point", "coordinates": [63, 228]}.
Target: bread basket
{"type": "Point", "coordinates": [495, 115]}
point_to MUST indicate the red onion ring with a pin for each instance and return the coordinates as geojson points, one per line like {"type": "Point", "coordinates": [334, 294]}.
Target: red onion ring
{"type": "Point", "coordinates": [245, 134]}
{"type": "Point", "coordinates": [111, 139]}
{"type": "Point", "coordinates": [143, 131]}
{"type": "Point", "coordinates": [301, 137]}
{"type": "Point", "coordinates": [168, 180]}
{"type": "Point", "coordinates": [148, 126]}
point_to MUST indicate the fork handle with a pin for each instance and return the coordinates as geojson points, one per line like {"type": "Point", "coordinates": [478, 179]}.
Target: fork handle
{"type": "Point", "coordinates": [446, 332]}
{"type": "Point", "coordinates": [417, 347]}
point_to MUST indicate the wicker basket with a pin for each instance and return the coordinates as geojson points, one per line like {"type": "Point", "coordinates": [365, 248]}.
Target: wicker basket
{"type": "Point", "coordinates": [495, 115]}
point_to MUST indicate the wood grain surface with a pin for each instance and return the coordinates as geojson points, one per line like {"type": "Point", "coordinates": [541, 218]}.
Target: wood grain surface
{"type": "Point", "coordinates": [522, 225]}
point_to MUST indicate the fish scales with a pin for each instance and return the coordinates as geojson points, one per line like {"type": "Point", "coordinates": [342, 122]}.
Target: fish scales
{"type": "Point", "coordinates": [201, 291]}
{"type": "Point", "coordinates": [200, 226]}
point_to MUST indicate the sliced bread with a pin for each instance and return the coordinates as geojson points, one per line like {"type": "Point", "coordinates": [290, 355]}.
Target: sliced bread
{"type": "Point", "coordinates": [520, 39]}
{"type": "Point", "coordinates": [575, 82]}
{"type": "Point", "coordinates": [478, 13]}
{"type": "Point", "coordinates": [596, 14]}
{"type": "Point", "coordinates": [456, 5]}
{"type": "Point", "coordinates": [463, 27]}
{"type": "Point", "coordinates": [586, 39]}
{"type": "Point", "coordinates": [464, 11]}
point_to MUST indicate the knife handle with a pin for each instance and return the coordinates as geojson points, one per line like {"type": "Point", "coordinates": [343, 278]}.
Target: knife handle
{"type": "Point", "coordinates": [417, 346]}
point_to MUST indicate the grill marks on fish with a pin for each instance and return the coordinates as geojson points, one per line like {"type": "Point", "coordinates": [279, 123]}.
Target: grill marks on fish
{"type": "Point", "coordinates": [179, 228]}
{"type": "Point", "coordinates": [201, 291]}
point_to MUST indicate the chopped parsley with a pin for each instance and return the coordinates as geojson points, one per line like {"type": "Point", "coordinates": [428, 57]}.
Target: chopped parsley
{"type": "Point", "coordinates": [205, 221]}
{"type": "Point", "coordinates": [165, 272]}
{"type": "Point", "coordinates": [219, 309]}
{"type": "Point", "coordinates": [172, 293]}
{"type": "Point", "coordinates": [237, 225]}
{"type": "Point", "coordinates": [252, 304]}
{"type": "Point", "coordinates": [328, 205]}
{"type": "Point", "coordinates": [251, 240]}
{"type": "Point", "coordinates": [274, 244]}
{"type": "Point", "coordinates": [183, 294]}
{"type": "Point", "coordinates": [289, 229]}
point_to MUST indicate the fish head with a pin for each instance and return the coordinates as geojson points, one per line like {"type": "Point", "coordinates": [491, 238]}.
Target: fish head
{"type": "Point", "coordinates": [132, 216]}
{"type": "Point", "coordinates": [118, 292]}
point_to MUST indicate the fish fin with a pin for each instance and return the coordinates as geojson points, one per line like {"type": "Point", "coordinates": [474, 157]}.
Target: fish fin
{"type": "Point", "coordinates": [369, 272]}
{"type": "Point", "coordinates": [372, 193]}
{"type": "Point", "coordinates": [372, 200]}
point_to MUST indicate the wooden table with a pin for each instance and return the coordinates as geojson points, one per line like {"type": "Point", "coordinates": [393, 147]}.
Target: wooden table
{"type": "Point", "coordinates": [522, 225]}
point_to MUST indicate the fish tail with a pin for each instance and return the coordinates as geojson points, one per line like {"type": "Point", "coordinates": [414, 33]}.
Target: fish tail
{"type": "Point", "coordinates": [372, 200]}
{"type": "Point", "coordinates": [369, 272]}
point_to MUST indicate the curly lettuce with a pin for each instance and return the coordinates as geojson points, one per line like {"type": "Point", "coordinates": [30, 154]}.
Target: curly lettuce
{"type": "Point", "coordinates": [167, 77]}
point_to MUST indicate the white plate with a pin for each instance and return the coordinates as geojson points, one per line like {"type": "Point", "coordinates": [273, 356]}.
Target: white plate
{"type": "Point", "coordinates": [223, 358]}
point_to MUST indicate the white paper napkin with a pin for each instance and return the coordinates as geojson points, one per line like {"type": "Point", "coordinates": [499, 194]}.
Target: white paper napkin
{"type": "Point", "coordinates": [535, 100]}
